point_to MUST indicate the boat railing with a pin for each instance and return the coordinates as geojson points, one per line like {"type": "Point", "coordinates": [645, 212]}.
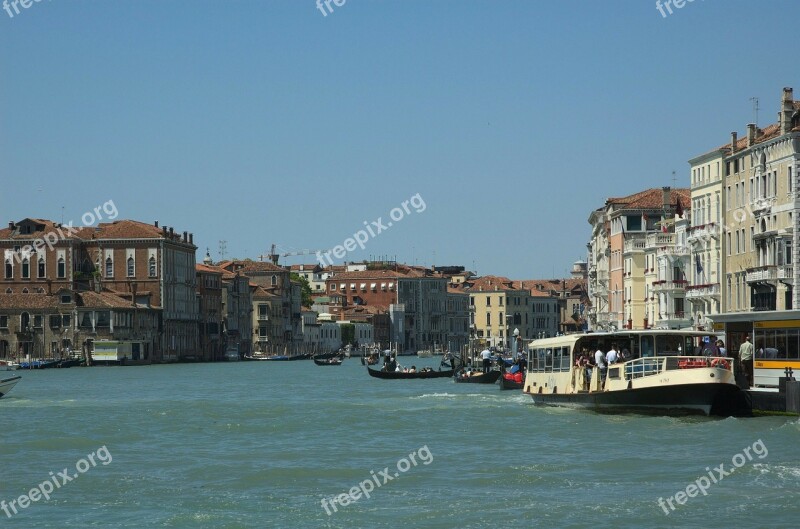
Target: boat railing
{"type": "Point", "coordinates": [654, 365]}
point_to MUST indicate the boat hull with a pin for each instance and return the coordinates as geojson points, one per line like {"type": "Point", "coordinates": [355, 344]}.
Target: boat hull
{"type": "Point", "coordinates": [334, 361]}
{"type": "Point", "coordinates": [395, 375]}
{"type": "Point", "coordinates": [7, 384]}
{"type": "Point", "coordinates": [484, 378]}
{"type": "Point", "coordinates": [678, 399]}
{"type": "Point", "coordinates": [510, 384]}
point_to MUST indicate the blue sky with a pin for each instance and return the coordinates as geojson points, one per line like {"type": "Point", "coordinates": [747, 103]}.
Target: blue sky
{"type": "Point", "coordinates": [261, 122]}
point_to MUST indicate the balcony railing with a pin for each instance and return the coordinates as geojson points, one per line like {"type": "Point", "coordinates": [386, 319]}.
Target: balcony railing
{"type": "Point", "coordinates": [636, 245]}
{"type": "Point", "coordinates": [657, 240]}
{"type": "Point", "coordinates": [710, 290]}
{"type": "Point", "coordinates": [665, 285]}
{"type": "Point", "coordinates": [762, 273]}
{"type": "Point", "coordinates": [786, 272]}
{"type": "Point", "coordinates": [704, 231]}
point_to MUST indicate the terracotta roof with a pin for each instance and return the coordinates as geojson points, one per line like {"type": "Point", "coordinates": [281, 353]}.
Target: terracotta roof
{"type": "Point", "coordinates": [253, 266]}
{"type": "Point", "coordinates": [652, 199]}
{"type": "Point", "coordinates": [489, 284]}
{"type": "Point", "coordinates": [29, 301]}
{"type": "Point", "coordinates": [43, 227]}
{"type": "Point", "coordinates": [369, 274]}
{"type": "Point", "coordinates": [102, 300]}
{"type": "Point", "coordinates": [209, 269]}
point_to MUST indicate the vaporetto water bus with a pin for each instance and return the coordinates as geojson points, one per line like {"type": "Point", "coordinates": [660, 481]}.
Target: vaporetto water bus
{"type": "Point", "coordinates": [657, 377]}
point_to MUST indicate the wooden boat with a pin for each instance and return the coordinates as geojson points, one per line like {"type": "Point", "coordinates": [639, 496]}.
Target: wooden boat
{"type": "Point", "coordinates": [323, 356]}
{"type": "Point", "coordinates": [657, 379]}
{"type": "Point", "coordinates": [478, 378]}
{"type": "Point", "coordinates": [395, 375]}
{"type": "Point", "coordinates": [507, 381]}
{"type": "Point", "coordinates": [8, 383]}
{"type": "Point", "coordinates": [333, 361]}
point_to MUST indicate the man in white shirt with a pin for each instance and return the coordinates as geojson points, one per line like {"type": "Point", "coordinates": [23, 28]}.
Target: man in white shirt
{"type": "Point", "coordinates": [486, 356]}
{"type": "Point", "coordinates": [600, 360]}
{"type": "Point", "coordinates": [611, 356]}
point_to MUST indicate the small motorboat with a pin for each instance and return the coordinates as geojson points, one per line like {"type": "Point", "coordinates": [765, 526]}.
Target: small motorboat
{"type": "Point", "coordinates": [8, 383]}
{"type": "Point", "coordinates": [8, 365]}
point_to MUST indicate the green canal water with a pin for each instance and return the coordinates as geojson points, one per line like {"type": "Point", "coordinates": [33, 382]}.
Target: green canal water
{"type": "Point", "coordinates": [261, 444]}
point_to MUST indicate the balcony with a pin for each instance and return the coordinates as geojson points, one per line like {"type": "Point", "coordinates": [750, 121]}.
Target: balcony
{"type": "Point", "coordinates": [635, 246]}
{"type": "Point", "coordinates": [658, 240]}
{"type": "Point", "coordinates": [761, 274]}
{"type": "Point", "coordinates": [786, 274]}
{"type": "Point", "coordinates": [703, 232]}
{"type": "Point", "coordinates": [706, 291]}
{"type": "Point", "coordinates": [670, 286]}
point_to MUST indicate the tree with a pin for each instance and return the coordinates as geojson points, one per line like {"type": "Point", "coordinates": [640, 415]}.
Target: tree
{"type": "Point", "coordinates": [348, 333]}
{"type": "Point", "coordinates": [305, 288]}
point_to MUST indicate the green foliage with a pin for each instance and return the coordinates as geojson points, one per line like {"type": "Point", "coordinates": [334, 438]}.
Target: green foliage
{"type": "Point", "coordinates": [348, 333]}
{"type": "Point", "coordinates": [305, 288]}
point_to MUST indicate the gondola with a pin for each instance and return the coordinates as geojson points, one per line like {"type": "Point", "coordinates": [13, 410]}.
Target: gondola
{"type": "Point", "coordinates": [332, 361]}
{"type": "Point", "coordinates": [507, 381]}
{"type": "Point", "coordinates": [394, 375]}
{"type": "Point", "coordinates": [325, 356]}
{"type": "Point", "coordinates": [483, 378]}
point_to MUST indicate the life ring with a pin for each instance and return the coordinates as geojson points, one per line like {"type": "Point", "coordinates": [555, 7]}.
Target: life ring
{"type": "Point", "coordinates": [721, 363]}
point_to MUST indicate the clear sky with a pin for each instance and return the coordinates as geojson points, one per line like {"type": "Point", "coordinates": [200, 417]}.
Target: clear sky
{"type": "Point", "coordinates": [261, 122]}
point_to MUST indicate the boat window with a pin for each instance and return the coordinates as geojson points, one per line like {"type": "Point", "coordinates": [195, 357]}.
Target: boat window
{"type": "Point", "coordinates": [565, 358]}
{"type": "Point", "coordinates": [548, 359]}
{"type": "Point", "coordinates": [688, 346]}
{"type": "Point", "coordinates": [647, 346]}
{"type": "Point", "coordinates": [668, 344]}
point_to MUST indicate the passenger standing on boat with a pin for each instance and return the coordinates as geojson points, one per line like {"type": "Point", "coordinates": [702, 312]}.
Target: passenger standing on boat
{"type": "Point", "coordinates": [611, 356]}
{"type": "Point", "coordinates": [721, 348]}
{"type": "Point", "coordinates": [710, 349]}
{"type": "Point", "coordinates": [746, 359]}
{"type": "Point", "coordinates": [590, 365]}
{"type": "Point", "coordinates": [486, 356]}
{"type": "Point", "coordinates": [600, 362]}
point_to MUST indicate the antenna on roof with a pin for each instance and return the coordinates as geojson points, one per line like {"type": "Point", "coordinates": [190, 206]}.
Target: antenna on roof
{"type": "Point", "coordinates": [223, 249]}
{"type": "Point", "coordinates": [674, 179]}
{"type": "Point", "coordinates": [754, 100]}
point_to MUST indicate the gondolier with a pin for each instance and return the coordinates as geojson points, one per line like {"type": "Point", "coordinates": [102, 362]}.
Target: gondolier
{"type": "Point", "coordinates": [486, 356]}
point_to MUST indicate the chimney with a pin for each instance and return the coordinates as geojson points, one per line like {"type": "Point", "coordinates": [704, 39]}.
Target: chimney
{"type": "Point", "coordinates": [787, 110]}
{"type": "Point", "coordinates": [155, 224]}
{"type": "Point", "coordinates": [751, 134]}
{"type": "Point", "coordinates": [185, 236]}
{"type": "Point", "coordinates": [734, 139]}
{"type": "Point", "coordinates": [665, 194]}
{"type": "Point", "coordinates": [171, 232]}
{"type": "Point", "coordinates": [191, 238]}
{"type": "Point", "coordinates": [164, 231]}
{"type": "Point", "coordinates": [11, 225]}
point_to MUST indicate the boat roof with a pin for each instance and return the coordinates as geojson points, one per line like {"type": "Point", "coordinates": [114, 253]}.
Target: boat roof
{"type": "Point", "coordinates": [572, 338]}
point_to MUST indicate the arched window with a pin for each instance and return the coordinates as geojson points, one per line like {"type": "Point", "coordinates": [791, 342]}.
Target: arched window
{"type": "Point", "coordinates": [274, 280]}
{"type": "Point", "coordinates": [62, 268]}
{"type": "Point", "coordinates": [26, 268]}
{"type": "Point", "coordinates": [9, 291]}
{"type": "Point", "coordinates": [109, 267]}
{"type": "Point", "coordinates": [152, 267]}
{"type": "Point", "coordinates": [41, 269]}
{"type": "Point", "coordinates": [25, 291]}
{"type": "Point", "coordinates": [9, 269]}
{"type": "Point", "coordinates": [131, 267]}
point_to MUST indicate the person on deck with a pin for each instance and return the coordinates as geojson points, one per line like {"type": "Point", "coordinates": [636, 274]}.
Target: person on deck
{"type": "Point", "coordinates": [746, 359]}
{"type": "Point", "coordinates": [486, 356]}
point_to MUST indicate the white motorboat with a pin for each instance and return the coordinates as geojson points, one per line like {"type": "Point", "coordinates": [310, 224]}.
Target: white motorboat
{"type": "Point", "coordinates": [7, 365]}
{"type": "Point", "coordinates": [8, 383]}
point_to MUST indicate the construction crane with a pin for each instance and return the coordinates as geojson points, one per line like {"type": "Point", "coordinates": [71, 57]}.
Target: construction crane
{"type": "Point", "coordinates": [273, 256]}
